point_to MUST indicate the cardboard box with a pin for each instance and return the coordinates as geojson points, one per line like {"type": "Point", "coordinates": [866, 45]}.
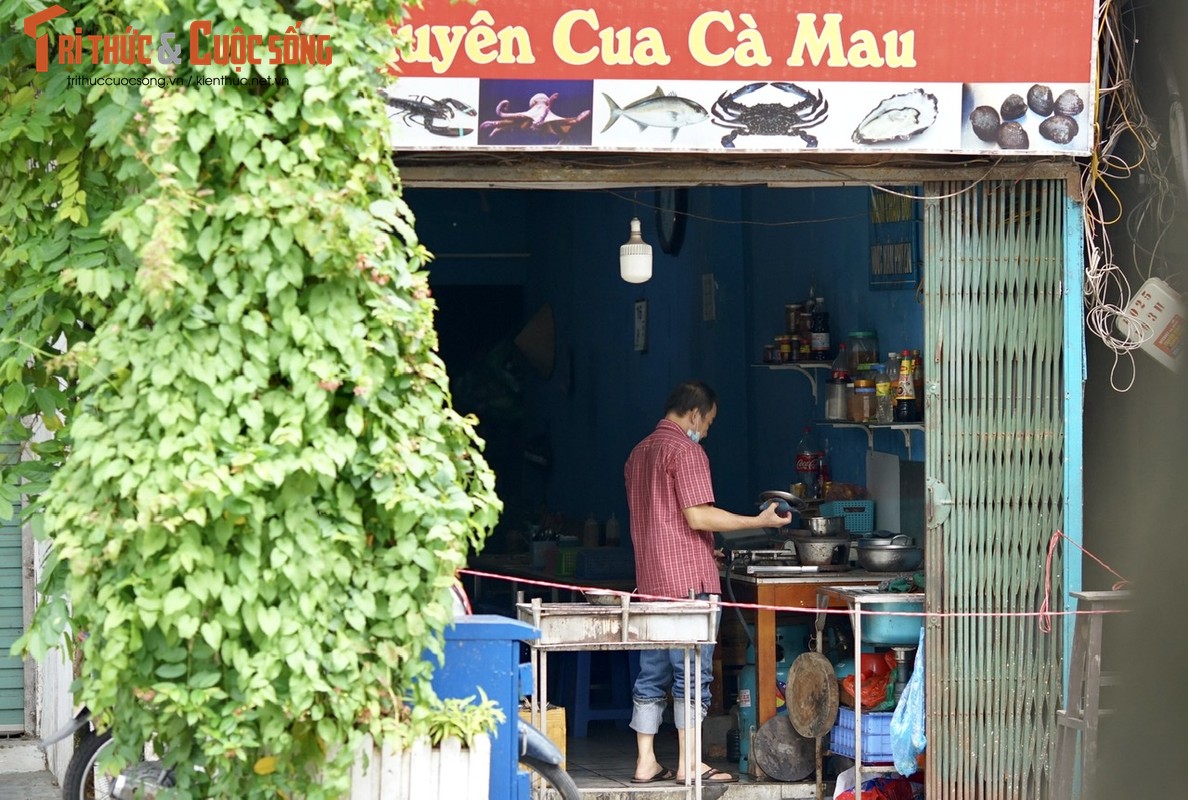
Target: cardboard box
{"type": "Point", "coordinates": [554, 724]}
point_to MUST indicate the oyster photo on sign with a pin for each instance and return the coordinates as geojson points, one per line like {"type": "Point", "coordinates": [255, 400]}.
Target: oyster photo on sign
{"type": "Point", "coordinates": [899, 117]}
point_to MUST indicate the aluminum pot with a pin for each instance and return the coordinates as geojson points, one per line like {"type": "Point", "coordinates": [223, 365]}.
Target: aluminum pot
{"type": "Point", "coordinates": [822, 551]}
{"type": "Point", "coordinates": [825, 526]}
{"type": "Point", "coordinates": [889, 557]}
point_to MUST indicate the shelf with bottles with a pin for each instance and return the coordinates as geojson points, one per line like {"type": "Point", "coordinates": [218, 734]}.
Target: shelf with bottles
{"type": "Point", "coordinates": [905, 428]}
{"type": "Point", "coordinates": [808, 369]}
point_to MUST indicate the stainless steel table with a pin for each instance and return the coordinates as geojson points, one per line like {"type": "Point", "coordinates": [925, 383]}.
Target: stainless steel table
{"type": "Point", "coordinates": [677, 625]}
{"type": "Point", "coordinates": [854, 598]}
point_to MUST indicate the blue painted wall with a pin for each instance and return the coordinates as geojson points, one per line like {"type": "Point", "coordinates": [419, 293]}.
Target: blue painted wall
{"type": "Point", "coordinates": [764, 248]}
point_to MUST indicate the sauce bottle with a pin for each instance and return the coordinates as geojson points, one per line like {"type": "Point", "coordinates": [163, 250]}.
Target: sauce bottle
{"type": "Point", "coordinates": [905, 391]}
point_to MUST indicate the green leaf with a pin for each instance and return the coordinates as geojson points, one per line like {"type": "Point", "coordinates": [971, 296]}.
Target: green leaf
{"type": "Point", "coordinates": [269, 620]}
{"type": "Point", "coordinates": [14, 397]}
{"type": "Point", "coordinates": [169, 671]}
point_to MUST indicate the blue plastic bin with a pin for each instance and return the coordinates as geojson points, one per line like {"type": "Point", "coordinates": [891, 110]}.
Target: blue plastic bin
{"type": "Point", "coordinates": [887, 630]}
{"type": "Point", "coordinates": [483, 651]}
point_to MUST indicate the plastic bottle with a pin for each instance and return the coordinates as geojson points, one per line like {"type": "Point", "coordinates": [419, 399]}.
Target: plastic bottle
{"type": "Point", "coordinates": [808, 463]}
{"type": "Point", "coordinates": [590, 532]}
{"type": "Point", "coordinates": [905, 391]}
{"type": "Point", "coordinates": [884, 395]}
{"type": "Point", "coordinates": [612, 531]}
{"type": "Point", "coordinates": [918, 382]}
{"type": "Point", "coordinates": [840, 371]}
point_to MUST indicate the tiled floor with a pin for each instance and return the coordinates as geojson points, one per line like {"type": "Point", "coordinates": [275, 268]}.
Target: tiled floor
{"type": "Point", "coordinates": [603, 764]}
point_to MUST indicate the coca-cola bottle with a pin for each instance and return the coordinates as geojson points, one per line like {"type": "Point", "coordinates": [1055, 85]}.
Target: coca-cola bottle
{"type": "Point", "coordinates": [840, 369]}
{"type": "Point", "coordinates": [808, 463]}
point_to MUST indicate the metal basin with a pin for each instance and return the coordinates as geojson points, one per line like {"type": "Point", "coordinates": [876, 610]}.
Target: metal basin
{"type": "Point", "coordinates": [889, 557]}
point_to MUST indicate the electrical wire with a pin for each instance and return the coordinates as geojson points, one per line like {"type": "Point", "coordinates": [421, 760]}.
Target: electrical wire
{"type": "Point", "coordinates": [1122, 120]}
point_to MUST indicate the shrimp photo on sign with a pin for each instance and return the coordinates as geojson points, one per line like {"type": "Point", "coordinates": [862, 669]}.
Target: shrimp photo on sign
{"type": "Point", "coordinates": [432, 113]}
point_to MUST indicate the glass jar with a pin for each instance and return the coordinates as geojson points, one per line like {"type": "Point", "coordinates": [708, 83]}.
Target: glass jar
{"type": "Point", "coordinates": [784, 346]}
{"type": "Point", "coordinates": [863, 347]}
{"type": "Point", "coordinates": [863, 404]}
{"type": "Point", "coordinates": [792, 317]}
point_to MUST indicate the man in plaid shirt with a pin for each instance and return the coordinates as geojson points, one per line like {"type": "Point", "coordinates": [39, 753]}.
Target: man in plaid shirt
{"type": "Point", "coordinates": [671, 498]}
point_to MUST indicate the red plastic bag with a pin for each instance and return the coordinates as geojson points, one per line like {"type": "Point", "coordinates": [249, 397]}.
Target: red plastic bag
{"type": "Point", "coordinates": [874, 689]}
{"type": "Point", "coordinates": [884, 788]}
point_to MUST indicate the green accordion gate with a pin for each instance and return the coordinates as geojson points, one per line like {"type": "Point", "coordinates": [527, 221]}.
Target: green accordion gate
{"type": "Point", "coordinates": [994, 289]}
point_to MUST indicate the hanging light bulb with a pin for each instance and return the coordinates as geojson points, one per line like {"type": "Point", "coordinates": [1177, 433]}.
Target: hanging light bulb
{"type": "Point", "coordinates": [635, 257]}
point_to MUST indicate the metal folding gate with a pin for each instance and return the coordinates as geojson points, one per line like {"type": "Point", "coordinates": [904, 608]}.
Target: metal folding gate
{"type": "Point", "coordinates": [995, 343]}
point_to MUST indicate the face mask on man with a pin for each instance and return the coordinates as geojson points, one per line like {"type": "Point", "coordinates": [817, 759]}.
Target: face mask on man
{"type": "Point", "coordinates": [694, 436]}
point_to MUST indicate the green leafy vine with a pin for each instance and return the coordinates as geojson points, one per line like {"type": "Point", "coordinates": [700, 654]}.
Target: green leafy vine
{"type": "Point", "coordinates": [256, 490]}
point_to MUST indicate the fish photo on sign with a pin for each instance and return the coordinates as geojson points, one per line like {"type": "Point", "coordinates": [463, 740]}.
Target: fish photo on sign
{"type": "Point", "coordinates": [669, 115]}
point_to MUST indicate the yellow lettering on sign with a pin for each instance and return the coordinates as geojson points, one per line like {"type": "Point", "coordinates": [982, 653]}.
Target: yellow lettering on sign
{"type": "Point", "coordinates": [449, 40]}
{"type": "Point", "coordinates": [897, 56]}
{"type": "Point", "coordinates": [617, 46]}
{"type": "Point", "coordinates": [481, 39]}
{"type": "Point", "coordinates": [697, 35]}
{"type": "Point", "coordinates": [864, 50]}
{"type": "Point", "coordinates": [562, 37]}
{"type": "Point", "coordinates": [897, 50]}
{"type": "Point", "coordinates": [439, 45]}
{"type": "Point", "coordinates": [751, 50]}
{"type": "Point", "coordinates": [649, 48]}
{"type": "Point", "coordinates": [817, 42]}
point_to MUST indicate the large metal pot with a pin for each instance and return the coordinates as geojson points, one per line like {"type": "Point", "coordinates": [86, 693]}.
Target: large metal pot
{"type": "Point", "coordinates": [822, 551]}
{"type": "Point", "coordinates": [882, 555]}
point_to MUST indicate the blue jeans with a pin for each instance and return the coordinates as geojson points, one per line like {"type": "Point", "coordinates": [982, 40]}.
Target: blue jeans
{"type": "Point", "coordinates": [661, 670]}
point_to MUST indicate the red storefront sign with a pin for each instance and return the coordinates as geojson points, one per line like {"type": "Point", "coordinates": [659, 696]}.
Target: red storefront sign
{"type": "Point", "coordinates": [831, 75]}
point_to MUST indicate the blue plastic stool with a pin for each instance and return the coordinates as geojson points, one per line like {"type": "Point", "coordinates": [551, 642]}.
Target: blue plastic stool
{"type": "Point", "coordinates": [575, 688]}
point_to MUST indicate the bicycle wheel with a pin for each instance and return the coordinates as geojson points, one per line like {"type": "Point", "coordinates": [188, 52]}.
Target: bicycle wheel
{"type": "Point", "coordinates": [83, 780]}
{"type": "Point", "coordinates": [559, 778]}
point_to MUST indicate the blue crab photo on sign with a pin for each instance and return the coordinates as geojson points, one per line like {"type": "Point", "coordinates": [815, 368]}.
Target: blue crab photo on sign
{"type": "Point", "coordinates": [532, 113]}
{"type": "Point", "coordinates": [758, 111]}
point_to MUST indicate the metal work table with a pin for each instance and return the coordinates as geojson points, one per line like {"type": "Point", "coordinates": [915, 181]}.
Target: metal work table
{"type": "Point", "coordinates": [677, 625]}
{"type": "Point", "coordinates": [854, 598]}
{"type": "Point", "coordinates": [794, 591]}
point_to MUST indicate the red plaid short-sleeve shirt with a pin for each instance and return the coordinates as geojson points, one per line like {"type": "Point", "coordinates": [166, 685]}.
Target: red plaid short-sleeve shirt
{"type": "Point", "coordinates": [667, 473]}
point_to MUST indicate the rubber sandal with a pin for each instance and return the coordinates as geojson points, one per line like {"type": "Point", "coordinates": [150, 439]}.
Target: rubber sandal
{"type": "Point", "coordinates": [708, 777]}
{"type": "Point", "coordinates": [664, 774]}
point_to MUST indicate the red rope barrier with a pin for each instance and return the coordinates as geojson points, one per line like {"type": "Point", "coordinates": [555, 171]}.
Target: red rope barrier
{"type": "Point", "coordinates": [573, 587]}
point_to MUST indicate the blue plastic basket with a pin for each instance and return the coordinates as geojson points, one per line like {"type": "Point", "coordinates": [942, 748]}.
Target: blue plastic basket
{"type": "Point", "coordinates": [859, 514]}
{"type": "Point", "coordinates": [876, 735]}
{"type": "Point", "coordinates": [605, 562]}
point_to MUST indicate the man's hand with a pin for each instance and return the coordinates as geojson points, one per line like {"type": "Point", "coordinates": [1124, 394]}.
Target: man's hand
{"type": "Point", "coordinates": [770, 516]}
